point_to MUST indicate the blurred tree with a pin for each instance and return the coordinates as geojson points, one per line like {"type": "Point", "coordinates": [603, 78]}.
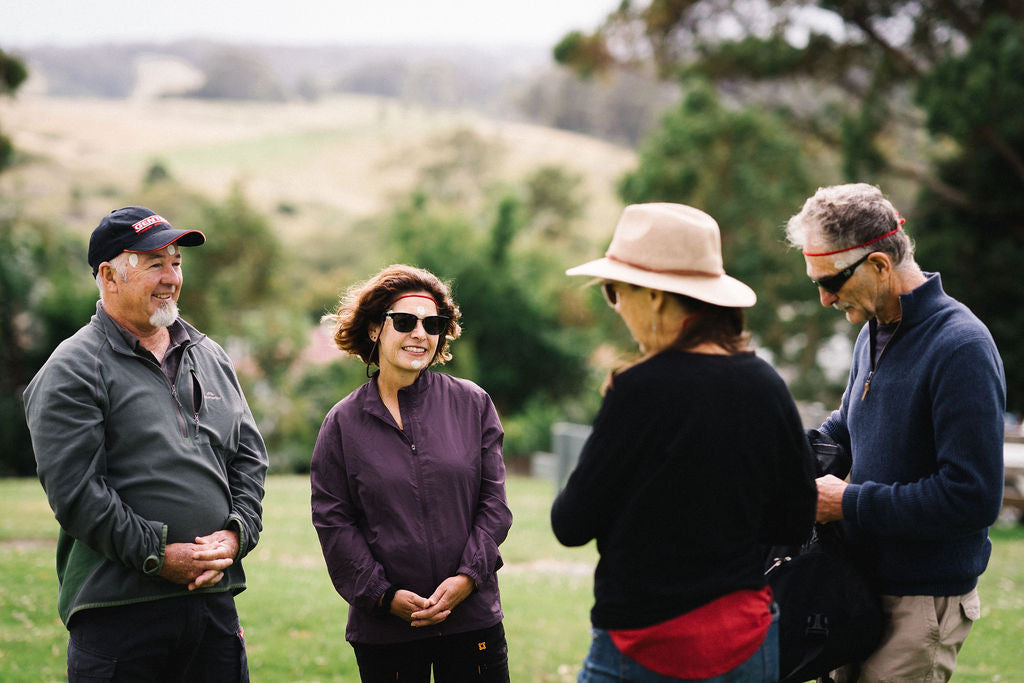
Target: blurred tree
{"type": "Point", "coordinates": [33, 310]}
{"type": "Point", "coordinates": [434, 77]}
{"type": "Point", "coordinates": [233, 74]}
{"type": "Point", "coordinates": [156, 173]}
{"type": "Point", "coordinates": [526, 335]}
{"type": "Point", "coordinates": [745, 169]}
{"type": "Point", "coordinates": [843, 74]}
{"type": "Point", "coordinates": [235, 282]}
{"type": "Point", "coordinates": [234, 291]}
{"type": "Point", "coordinates": [37, 312]}
{"type": "Point", "coordinates": [12, 75]}
{"type": "Point", "coordinates": [553, 191]}
{"type": "Point", "coordinates": [461, 168]}
{"type": "Point", "coordinates": [621, 106]}
{"type": "Point", "coordinates": [385, 77]}
{"type": "Point", "coordinates": [512, 344]}
{"type": "Point", "coordinates": [106, 70]}
{"type": "Point", "coordinates": [975, 99]}
{"type": "Point", "coordinates": [291, 432]}
{"type": "Point", "coordinates": [841, 69]}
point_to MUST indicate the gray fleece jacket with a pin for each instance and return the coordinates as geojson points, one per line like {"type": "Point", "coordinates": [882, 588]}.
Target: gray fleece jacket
{"type": "Point", "coordinates": [131, 463]}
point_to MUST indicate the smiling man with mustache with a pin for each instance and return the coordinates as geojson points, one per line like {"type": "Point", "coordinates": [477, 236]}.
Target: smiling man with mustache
{"type": "Point", "coordinates": [154, 468]}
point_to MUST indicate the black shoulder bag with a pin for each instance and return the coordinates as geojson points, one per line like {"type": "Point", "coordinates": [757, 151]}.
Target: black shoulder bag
{"type": "Point", "coordinates": [829, 614]}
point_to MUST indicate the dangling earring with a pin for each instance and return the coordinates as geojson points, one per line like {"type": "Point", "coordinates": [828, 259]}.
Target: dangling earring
{"type": "Point", "coordinates": [370, 359]}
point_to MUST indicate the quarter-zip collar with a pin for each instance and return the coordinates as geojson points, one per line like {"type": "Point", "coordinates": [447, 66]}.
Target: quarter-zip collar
{"type": "Point", "coordinates": [918, 303]}
{"type": "Point", "coordinates": [374, 404]}
{"type": "Point", "coordinates": [183, 336]}
{"type": "Point", "coordinates": [916, 306]}
{"type": "Point", "coordinates": [123, 341]}
{"type": "Point", "coordinates": [179, 341]}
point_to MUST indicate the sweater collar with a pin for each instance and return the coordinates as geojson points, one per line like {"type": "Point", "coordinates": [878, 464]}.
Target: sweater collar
{"type": "Point", "coordinates": [920, 302]}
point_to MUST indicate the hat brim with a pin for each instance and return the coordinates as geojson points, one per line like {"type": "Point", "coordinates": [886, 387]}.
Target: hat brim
{"type": "Point", "coordinates": [155, 241]}
{"type": "Point", "coordinates": [720, 290]}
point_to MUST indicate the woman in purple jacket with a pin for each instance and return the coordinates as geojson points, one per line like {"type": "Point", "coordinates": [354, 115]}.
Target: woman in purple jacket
{"type": "Point", "coordinates": [408, 491]}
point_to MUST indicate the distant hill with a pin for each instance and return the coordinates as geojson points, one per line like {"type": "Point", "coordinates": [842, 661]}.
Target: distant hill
{"type": "Point", "coordinates": [108, 70]}
{"type": "Point", "coordinates": [510, 83]}
{"type": "Point", "coordinates": [336, 159]}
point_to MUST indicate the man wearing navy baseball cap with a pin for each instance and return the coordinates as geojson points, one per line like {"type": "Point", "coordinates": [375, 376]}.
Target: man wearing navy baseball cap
{"type": "Point", "coordinates": [135, 229]}
{"type": "Point", "coordinates": [154, 468]}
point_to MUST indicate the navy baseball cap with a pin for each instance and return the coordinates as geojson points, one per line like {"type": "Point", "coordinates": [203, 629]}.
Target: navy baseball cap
{"type": "Point", "coordinates": [138, 229]}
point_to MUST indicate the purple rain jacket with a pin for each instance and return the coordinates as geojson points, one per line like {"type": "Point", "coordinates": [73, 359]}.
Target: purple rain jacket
{"type": "Point", "coordinates": [411, 508]}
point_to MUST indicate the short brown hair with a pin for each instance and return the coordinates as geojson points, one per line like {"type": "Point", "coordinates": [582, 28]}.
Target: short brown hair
{"type": "Point", "coordinates": [365, 304]}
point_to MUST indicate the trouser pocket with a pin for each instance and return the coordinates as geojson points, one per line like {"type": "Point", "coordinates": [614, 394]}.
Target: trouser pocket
{"type": "Point", "coordinates": [88, 666]}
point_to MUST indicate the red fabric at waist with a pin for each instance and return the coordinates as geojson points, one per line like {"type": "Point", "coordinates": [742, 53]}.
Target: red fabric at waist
{"type": "Point", "coordinates": [705, 642]}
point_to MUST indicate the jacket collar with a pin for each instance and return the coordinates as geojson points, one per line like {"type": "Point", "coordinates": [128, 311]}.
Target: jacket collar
{"type": "Point", "coordinates": [123, 341]}
{"type": "Point", "coordinates": [922, 301]}
{"type": "Point", "coordinates": [421, 384]}
{"type": "Point", "coordinates": [373, 404]}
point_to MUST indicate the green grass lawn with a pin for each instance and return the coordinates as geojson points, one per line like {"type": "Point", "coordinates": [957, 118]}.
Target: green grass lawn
{"type": "Point", "coordinates": [295, 622]}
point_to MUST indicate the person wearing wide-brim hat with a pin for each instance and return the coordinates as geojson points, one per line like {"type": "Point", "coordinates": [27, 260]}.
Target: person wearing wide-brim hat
{"type": "Point", "coordinates": [697, 461]}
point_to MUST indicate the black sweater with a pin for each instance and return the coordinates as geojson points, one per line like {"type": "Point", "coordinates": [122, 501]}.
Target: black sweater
{"type": "Point", "coordinates": [696, 463]}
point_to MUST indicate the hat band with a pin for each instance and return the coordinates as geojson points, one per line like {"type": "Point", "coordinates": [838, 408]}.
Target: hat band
{"type": "Point", "coordinates": [685, 273]}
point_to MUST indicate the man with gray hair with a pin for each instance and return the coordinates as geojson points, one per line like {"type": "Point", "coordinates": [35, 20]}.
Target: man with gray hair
{"type": "Point", "coordinates": [154, 468]}
{"type": "Point", "coordinates": [922, 417]}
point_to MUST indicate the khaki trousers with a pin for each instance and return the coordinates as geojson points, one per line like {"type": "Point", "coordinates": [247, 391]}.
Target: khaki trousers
{"type": "Point", "coordinates": [921, 640]}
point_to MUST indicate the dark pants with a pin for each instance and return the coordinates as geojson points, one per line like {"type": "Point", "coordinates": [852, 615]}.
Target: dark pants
{"type": "Point", "coordinates": [190, 638]}
{"type": "Point", "coordinates": [472, 656]}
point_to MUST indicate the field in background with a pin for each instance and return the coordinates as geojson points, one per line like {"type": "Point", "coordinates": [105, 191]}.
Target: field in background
{"type": "Point", "coordinates": [295, 622]}
{"type": "Point", "coordinates": [334, 160]}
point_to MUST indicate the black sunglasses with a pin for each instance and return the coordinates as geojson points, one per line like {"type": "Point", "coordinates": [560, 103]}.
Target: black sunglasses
{"type": "Point", "coordinates": [406, 322]}
{"type": "Point", "coordinates": [610, 294]}
{"type": "Point", "coordinates": [833, 283]}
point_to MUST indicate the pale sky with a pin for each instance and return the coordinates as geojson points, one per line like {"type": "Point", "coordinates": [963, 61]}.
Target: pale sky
{"type": "Point", "coordinates": [32, 23]}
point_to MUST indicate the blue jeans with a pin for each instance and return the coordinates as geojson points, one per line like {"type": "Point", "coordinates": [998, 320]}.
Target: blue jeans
{"type": "Point", "coordinates": [605, 664]}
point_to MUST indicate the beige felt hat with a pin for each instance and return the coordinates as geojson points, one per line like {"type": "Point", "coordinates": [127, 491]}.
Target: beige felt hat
{"type": "Point", "coordinates": [671, 247]}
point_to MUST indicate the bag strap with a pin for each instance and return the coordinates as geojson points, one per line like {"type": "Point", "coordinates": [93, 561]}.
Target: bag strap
{"type": "Point", "coordinates": [817, 634]}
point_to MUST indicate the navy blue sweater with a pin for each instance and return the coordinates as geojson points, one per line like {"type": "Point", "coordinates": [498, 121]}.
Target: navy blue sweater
{"type": "Point", "coordinates": [925, 428]}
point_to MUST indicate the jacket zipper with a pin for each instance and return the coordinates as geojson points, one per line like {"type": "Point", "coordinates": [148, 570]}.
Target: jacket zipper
{"type": "Point", "coordinates": [178, 408]}
{"type": "Point", "coordinates": [418, 465]}
{"type": "Point", "coordinates": [874, 366]}
{"type": "Point", "coordinates": [197, 395]}
{"type": "Point", "coordinates": [424, 509]}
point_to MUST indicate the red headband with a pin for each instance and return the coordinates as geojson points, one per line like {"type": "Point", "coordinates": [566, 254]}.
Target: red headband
{"type": "Point", "coordinates": [422, 296]}
{"type": "Point", "coordinates": [858, 246]}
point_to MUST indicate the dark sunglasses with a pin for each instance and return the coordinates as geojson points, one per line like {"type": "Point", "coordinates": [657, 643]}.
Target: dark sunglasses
{"type": "Point", "coordinates": [833, 283]}
{"type": "Point", "coordinates": [610, 294]}
{"type": "Point", "coordinates": [406, 322]}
